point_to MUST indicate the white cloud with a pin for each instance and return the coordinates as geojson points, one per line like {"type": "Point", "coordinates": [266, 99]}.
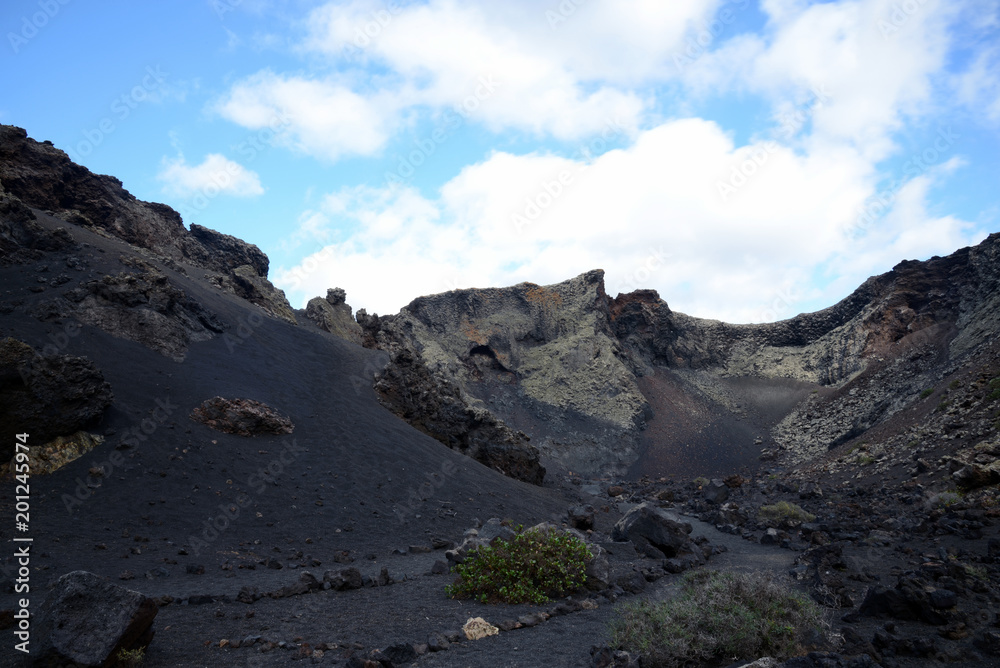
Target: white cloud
{"type": "Point", "coordinates": [651, 215]}
{"type": "Point", "coordinates": [872, 65]}
{"type": "Point", "coordinates": [215, 174]}
{"type": "Point", "coordinates": [323, 118]}
{"type": "Point", "coordinates": [518, 68]}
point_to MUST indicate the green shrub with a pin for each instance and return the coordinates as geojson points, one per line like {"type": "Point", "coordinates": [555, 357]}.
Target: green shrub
{"type": "Point", "coordinates": [131, 658]}
{"type": "Point", "coordinates": [786, 512]}
{"type": "Point", "coordinates": [955, 384]}
{"type": "Point", "coordinates": [530, 568]}
{"type": "Point", "coordinates": [926, 393]}
{"type": "Point", "coordinates": [701, 481]}
{"type": "Point", "coordinates": [995, 383]}
{"type": "Point", "coordinates": [865, 460]}
{"type": "Point", "coordinates": [993, 396]}
{"type": "Point", "coordinates": [718, 617]}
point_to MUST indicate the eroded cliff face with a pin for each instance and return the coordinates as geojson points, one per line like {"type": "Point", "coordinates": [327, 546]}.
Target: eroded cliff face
{"type": "Point", "coordinates": [602, 386]}
{"type": "Point", "coordinates": [37, 175]}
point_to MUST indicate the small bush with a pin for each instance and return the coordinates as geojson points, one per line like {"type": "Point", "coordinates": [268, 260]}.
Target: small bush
{"type": "Point", "coordinates": [701, 481]}
{"type": "Point", "coordinates": [530, 568]}
{"type": "Point", "coordinates": [926, 393]}
{"type": "Point", "coordinates": [995, 383]}
{"type": "Point", "coordinates": [131, 658]}
{"type": "Point", "coordinates": [994, 395]}
{"type": "Point", "coordinates": [718, 617]}
{"type": "Point", "coordinates": [955, 384]}
{"type": "Point", "coordinates": [786, 512]}
{"type": "Point", "coordinates": [865, 460]}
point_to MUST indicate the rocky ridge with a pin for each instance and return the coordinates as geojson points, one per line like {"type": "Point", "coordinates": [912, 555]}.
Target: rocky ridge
{"type": "Point", "coordinates": [611, 385]}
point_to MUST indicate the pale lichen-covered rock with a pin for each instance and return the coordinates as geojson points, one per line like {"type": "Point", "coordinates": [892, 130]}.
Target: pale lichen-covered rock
{"type": "Point", "coordinates": [477, 628]}
{"type": "Point", "coordinates": [334, 315]}
{"type": "Point", "coordinates": [58, 452]}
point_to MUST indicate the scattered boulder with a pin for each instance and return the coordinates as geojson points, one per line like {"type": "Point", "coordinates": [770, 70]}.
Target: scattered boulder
{"type": "Point", "coordinates": [910, 599]}
{"type": "Point", "coordinates": [581, 517]}
{"type": "Point", "coordinates": [244, 417]}
{"type": "Point", "coordinates": [605, 657]}
{"type": "Point", "coordinates": [973, 476]}
{"type": "Point", "coordinates": [493, 529]}
{"type": "Point", "coordinates": [716, 492]}
{"type": "Point", "coordinates": [87, 620]}
{"type": "Point", "coordinates": [347, 578]}
{"type": "Point", "coordinates": [477, 627]}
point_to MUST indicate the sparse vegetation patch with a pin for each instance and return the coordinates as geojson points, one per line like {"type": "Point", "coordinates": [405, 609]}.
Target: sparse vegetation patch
{"type": "Point", "coordinates": [785, 512]}
{"type": "Point", "coordinates": [718, 616]}
{"type": "Point", "coordinates": [532, 567]}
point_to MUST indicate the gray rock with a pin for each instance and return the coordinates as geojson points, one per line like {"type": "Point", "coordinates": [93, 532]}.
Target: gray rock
{"type": "Point", "coordinates": [581, 517]}
{"type": "Point", "coordinates": [334, 315]}
{"type": "Point", "coordinates": [716, 492]}
{"type": "Point", "coordinates": [655, 532]}
{"type": "Point", "coordinates": [85, 618]}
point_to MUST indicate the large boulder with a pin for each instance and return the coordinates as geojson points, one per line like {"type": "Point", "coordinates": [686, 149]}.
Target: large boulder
{"type": "Point", "coordinates": [655, 532]}
{"type": "Point", "coordinates": [47, 396]}
{"type": "Point", "coordinates": [86, 620]}
{"type": "Point", "coordinates": [243, 417]}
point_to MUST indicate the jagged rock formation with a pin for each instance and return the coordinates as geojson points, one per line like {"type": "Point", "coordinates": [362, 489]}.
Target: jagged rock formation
{"type": "Point", "coordinates": [139, 306]}
{"type": "Point", "coordinates": [602, 384]}
{"type": "Point", "coordinates": [38, 175]}
{"type": "Point", "coordinates": [334, 315]}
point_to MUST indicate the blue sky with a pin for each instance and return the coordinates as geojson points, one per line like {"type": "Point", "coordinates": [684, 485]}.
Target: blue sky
{"type": "Point", "coordinates": [748, 160]}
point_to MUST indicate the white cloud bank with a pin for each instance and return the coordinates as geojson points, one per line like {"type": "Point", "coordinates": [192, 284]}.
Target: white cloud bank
{"type": "Point", "coordinates": [651, 215]}
{"type": "Point", "coordinates": [216, 174]}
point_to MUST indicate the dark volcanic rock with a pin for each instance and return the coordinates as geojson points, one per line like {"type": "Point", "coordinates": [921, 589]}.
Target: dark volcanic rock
{"type": "Point", "coordinates": [47, 396]}
{"type": "Point", "coordinates": [227, 252]}
{"type": "Point", "coordinates": [440, 409]}
{"type": "Point", "coordinates": [144, 307]}
{"type": "Point", "coordinates": [655, 532]}
{"type": "Point", "coordinates": [581, 517]}
{"type": "Point", "coordinates": [244, 417]}
{"type": "Point", "coordinates": [86, 620]}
